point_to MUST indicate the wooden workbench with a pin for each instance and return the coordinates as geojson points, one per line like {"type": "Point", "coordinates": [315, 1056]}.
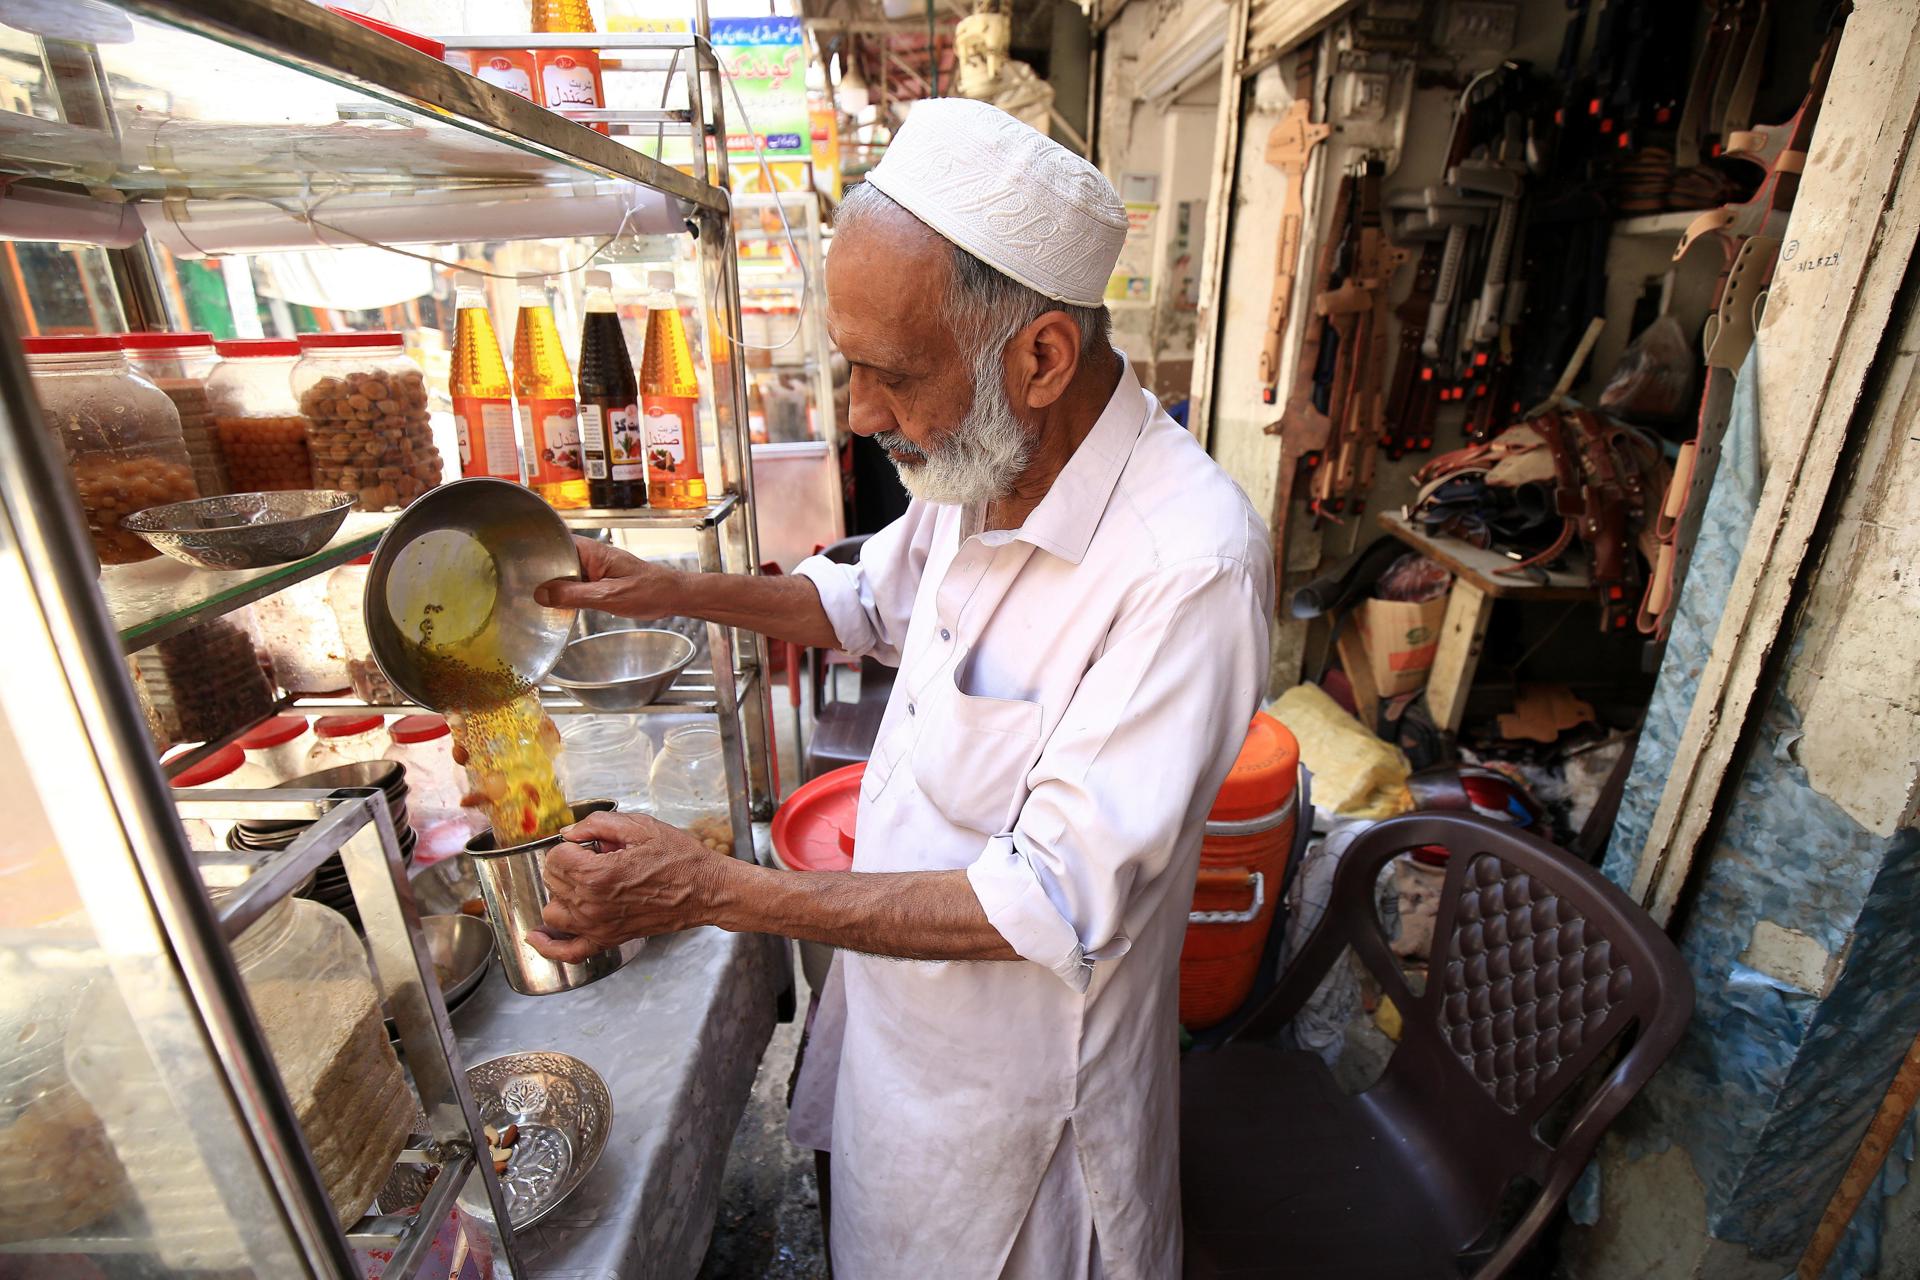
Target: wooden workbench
{"type": "Point", "coordinates": [1478, 582]}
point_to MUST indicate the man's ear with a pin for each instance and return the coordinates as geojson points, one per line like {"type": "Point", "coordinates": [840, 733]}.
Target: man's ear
{"type": "Point", "coordinates": [1044, 356]}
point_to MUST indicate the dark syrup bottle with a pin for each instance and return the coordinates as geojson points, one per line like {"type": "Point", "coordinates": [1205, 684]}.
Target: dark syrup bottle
{"type": "Point", "coordinates": [610, 436]}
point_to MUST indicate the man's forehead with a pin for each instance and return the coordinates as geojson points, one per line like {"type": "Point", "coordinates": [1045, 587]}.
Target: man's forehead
{"type": "Point", "coordinates": [883, 288]}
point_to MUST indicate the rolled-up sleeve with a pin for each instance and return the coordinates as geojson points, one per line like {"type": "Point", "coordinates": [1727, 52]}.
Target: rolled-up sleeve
{"type": "Point", "coordinates": [1135, 759]}
{"type": "Point", "coordinates": [868, 602]}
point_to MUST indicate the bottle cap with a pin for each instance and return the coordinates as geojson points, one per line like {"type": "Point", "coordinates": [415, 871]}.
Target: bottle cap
{"type": "Point", "coordinates": [660, 281]}
{"type": "Point", "coordinates": [468, 280]}
{"type": "Point", "coordinates": [533, 295]}
{"type": "Point", "coordinates": [216, 766]}
{"type": "Point", "coordinates": [600, 280]}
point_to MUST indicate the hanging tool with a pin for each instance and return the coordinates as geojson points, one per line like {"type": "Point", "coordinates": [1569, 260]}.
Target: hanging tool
{"type": "Point", "coordinates": [1289, 146]}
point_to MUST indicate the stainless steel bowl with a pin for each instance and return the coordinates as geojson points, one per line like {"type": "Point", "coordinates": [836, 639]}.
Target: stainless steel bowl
{"type": "Point", "coordinates": [243, 530]}
{"type": "Point", "coordinates": [564, 1112]}
{"type": "Point", "coordinates": [468, 556]}
{"type": "Point", "coordinates": [461, 947]}
{"type": "Point", "coordinates": [622, 670]}
{"type": "Point", "coordinates": [448, 887]}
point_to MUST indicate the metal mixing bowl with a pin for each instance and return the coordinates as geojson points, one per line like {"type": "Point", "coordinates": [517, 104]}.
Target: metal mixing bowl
{"type": "Point", "coordinates": [474, 550]}
{"type": "Point", "coordinates": [622, 670]}
{"type": "Point", "coordinates": [448, 887]}
{"type": "Point", "coordinates": [461, 946]}
{"type": "Point", "coordinates": [564, 1112]}
{"type": "Point", "coordinates": [243, 530]}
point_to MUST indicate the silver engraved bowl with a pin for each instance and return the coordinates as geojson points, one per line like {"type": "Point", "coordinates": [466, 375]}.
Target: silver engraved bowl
{"type": "Point", "coordinates": [564, 1112]}
{"type": "Point", "coordinates": [243, 530]}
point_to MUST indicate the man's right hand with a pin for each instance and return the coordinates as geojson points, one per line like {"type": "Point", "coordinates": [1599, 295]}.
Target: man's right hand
{"type": "Point", "coordinates": [614, 581]}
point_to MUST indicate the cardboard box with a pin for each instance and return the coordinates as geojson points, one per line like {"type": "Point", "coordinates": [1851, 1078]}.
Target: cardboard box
{"type": "Point", "coordinates": [1401, 639]}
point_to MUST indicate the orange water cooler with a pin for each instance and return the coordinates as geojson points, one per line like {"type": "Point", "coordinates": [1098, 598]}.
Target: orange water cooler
{"type": "Point", "coordinates": [1243, 860]}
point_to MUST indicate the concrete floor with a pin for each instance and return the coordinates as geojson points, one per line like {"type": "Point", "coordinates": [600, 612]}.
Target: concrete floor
{"type": "Point", "coordinates": [768, 1224]}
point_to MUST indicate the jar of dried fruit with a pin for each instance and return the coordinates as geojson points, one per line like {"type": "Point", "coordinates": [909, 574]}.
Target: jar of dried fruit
{"type": "Point", "coordinates": [372, 436]}
{"type": "Point", "coordinates": [689, 785]}
{"type": "Point", "coordinates": [180, 364]}
{"type": "Point", "coordinates": [262, 433]}
{"type": "Point", "coordinates": [121, 435]}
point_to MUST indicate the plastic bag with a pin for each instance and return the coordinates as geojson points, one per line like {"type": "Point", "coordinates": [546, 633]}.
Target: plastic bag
{"type": "Point", "coordinates": [1413, 579]}
{"type": "Point", "coordinates": [1354, 773]}
{"type": "Point", "coordinates": [1654, 380]}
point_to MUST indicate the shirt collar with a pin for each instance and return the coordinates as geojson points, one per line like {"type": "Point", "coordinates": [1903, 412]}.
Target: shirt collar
{"type": "Point", "coordinates": [1064, 522]}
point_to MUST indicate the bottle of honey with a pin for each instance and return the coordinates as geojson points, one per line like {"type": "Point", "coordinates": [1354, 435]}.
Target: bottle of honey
{"type": "Point", "coordinates": [549, 414]}
{"type": "Point", "coordinates": [567, 77]}
{"type": "Point", "coordinates": [669, 398]}
{"type": "Point", "coordinates": [482, 392]}
{"type": "Point", "coordinates": [609, 404]}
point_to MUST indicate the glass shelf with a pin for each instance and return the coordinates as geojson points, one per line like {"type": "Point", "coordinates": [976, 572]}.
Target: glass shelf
{"type": "Point", "coordinates": [158, 598]}
{"type": "Point", "coordinates": [276, 98]}
{"type": "Point", "coordinates": [695, 693]}
{"type": "Point", "coordinates": [706, 517]}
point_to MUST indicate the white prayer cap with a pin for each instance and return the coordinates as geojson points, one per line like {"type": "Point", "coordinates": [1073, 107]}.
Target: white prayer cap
{"type": "Point", "coordinates": [1012, 197]}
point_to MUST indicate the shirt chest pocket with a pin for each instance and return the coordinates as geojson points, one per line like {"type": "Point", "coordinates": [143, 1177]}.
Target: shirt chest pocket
{"type": "Point", "coordinates": [972, 755]}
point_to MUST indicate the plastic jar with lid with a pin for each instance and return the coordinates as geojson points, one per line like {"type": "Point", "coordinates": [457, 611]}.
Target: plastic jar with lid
{"type": "Point", "coordinates": [227, 769]}
{"type": "Point", "coordinates": [435, 785]}
{"type": "Point", "coordinates": [371, 435]}
{"type": "Point", "coordinates": [279, 746]}
{"type": "Point", "coordinates": [346, 591]}
{"type": "Point", "coordinates": [689, 784]}
{"type": "Point", "coordinates": [343, 739]}
{"type": "Point", "coordinates": [316, 1003]}
{"type": "Point", "coordinates": [180, 365]}
{"type": "Point", "coordinates": [256, 419]}
{"type": "Point", "coordinates": [121, 436]}
{"type": "Point", "coordinates": [606, 757]}
{"type": "Point", "coordinates": [302, 639]}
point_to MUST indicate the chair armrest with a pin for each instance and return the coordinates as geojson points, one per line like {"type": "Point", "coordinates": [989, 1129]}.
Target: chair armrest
{"type": "Point", "coordinates": [1302, 978]}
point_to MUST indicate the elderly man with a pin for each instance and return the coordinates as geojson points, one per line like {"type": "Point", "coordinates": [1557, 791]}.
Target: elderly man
{"type": "Point", "coordinates": [1077, 600]}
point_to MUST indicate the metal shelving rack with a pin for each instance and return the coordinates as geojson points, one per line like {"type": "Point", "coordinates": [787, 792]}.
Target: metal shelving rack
{"type": "Point", "coordinates": [128, 907]}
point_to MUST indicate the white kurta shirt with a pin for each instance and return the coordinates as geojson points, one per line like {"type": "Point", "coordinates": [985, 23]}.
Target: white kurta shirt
{"type": "Point", "coordinates": [1071, 695]}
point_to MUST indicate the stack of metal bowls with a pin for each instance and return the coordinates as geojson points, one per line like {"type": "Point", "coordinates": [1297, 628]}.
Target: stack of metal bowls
{"type": "Point", "coordinates": [329, 885]}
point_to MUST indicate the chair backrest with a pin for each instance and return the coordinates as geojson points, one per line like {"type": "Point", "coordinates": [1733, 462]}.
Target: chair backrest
{"type": "Point", "coordinates": [1539, 966]}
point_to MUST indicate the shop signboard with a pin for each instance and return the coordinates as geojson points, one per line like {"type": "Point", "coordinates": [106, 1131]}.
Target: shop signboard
{"type": "Point", "coordinates": [766, 60]}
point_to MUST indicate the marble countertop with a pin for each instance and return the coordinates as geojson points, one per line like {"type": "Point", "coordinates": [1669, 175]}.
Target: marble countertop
{"type": "Point", "coordinates": [677, 1036]}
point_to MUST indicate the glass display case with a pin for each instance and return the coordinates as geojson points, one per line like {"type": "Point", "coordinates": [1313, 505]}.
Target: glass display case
{"type": "Point", "coordinates": [174, 1098]}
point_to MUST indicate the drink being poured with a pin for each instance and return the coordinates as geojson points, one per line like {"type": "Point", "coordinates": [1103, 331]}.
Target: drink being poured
{"type": "Point", "coordinates": [501, 733]}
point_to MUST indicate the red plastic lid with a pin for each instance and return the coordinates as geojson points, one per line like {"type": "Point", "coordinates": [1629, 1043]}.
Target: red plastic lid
{"type": "Point", "coordinates": [813, 830]}
{"type": "Point", "coordinates": [419, 728]}
{"type": "Point", "coordinates": [216, 766]}
{"type": "Point", "coordinates": [255, 348]}
{"type": "Point", "coordinates": [335, 341]}
{"type": "Point", "coordinates": [1264, 774]}
{"type": "Point", "coordinates": [357, 560]}
{"type": "Point", "coordinates": [71, 344]}
{"type": "Point", "coordinates": [413, 40]}
{"type": "Point", "coordinates": [272, 733]}
{"type": "Point", "coordinates": [346, 726]}
{"type": "Point", "coordinates": [164, 341]}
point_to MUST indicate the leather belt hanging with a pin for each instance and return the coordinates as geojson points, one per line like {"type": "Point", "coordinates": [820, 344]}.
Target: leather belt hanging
{"type": "Point", "coordinates": [1749, 236]}
{"type": "Point", "coordinates": [1415, 392]}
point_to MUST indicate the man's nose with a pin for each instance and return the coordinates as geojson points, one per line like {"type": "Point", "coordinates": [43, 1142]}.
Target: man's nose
{"type": "Point", "coordinates": [868, 415]}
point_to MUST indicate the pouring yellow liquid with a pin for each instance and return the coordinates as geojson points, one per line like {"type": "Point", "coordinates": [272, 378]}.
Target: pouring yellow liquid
{"type": "Point", "coordinates": [504, 737]}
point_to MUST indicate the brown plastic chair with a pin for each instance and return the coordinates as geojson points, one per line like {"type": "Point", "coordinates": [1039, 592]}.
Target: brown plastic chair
{"type": "Point", "coordinates": [1540, 967]}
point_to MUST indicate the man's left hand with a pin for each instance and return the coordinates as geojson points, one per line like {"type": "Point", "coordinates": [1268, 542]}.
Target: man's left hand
{"type": "Point", "coordinates": [646, 879]}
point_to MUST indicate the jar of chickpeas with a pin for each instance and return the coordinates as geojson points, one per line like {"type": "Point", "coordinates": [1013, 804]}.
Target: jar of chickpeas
{"type": "Point", "coordinates": [372, 436]}
{"type": "Point", "coordinates": [121, 435]}
{"type": "Point", "coordinates": [262, 433]}
{"type": "Point", "coordinates": [180, 364]}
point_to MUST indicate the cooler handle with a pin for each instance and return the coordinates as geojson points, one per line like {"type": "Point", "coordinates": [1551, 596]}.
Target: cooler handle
{"type": "Point", "coordinates": [1232, 880]}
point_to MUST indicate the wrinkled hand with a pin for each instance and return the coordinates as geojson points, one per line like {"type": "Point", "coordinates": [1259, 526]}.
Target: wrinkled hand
{"type": "Point", "coordinates": [615, 581]}
{"type": "Point", "coordinates": [647, 879]}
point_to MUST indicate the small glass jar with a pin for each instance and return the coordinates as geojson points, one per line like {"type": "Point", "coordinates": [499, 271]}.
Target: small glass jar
{"type": "Point", "coordinates": [606, 758]}
{"type": "Point", "coordinates": [258, 423]}
{"type": "Point", "coordinates": [435, 787]}
{"type": "Point", "coordinates": [180, 365]}
{"type": "Point", "coordinates": [346, 595]}
{"type": "Point", "coordinates": [279, 746]}
{"type": "Point", "coordinates": [372, 435]}
{"type": "Point", "coordinates": [121, 435]}
{"type": "Point", "coordinates": [689, 783]}
{"type": "Point", "coordinates": [345, 739]}
{"type": "Point", "coordinates": [302, 639]}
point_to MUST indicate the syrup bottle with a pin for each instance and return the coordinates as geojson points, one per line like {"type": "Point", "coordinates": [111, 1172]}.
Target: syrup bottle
{"type": "Point", "coordinates": [567, 77]}
{"type": "Point", "coordinates": [609, 405]}
{"type": "Point", "coordinates": [669, 396]}
{"type": "Point", "coordinates": [482, 392]}
{"type": "Point", "coordinates": [549, 414]}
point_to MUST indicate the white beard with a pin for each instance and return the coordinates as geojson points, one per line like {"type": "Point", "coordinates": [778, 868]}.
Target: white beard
{"type": "Point", "coordinates": [981, 458]}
